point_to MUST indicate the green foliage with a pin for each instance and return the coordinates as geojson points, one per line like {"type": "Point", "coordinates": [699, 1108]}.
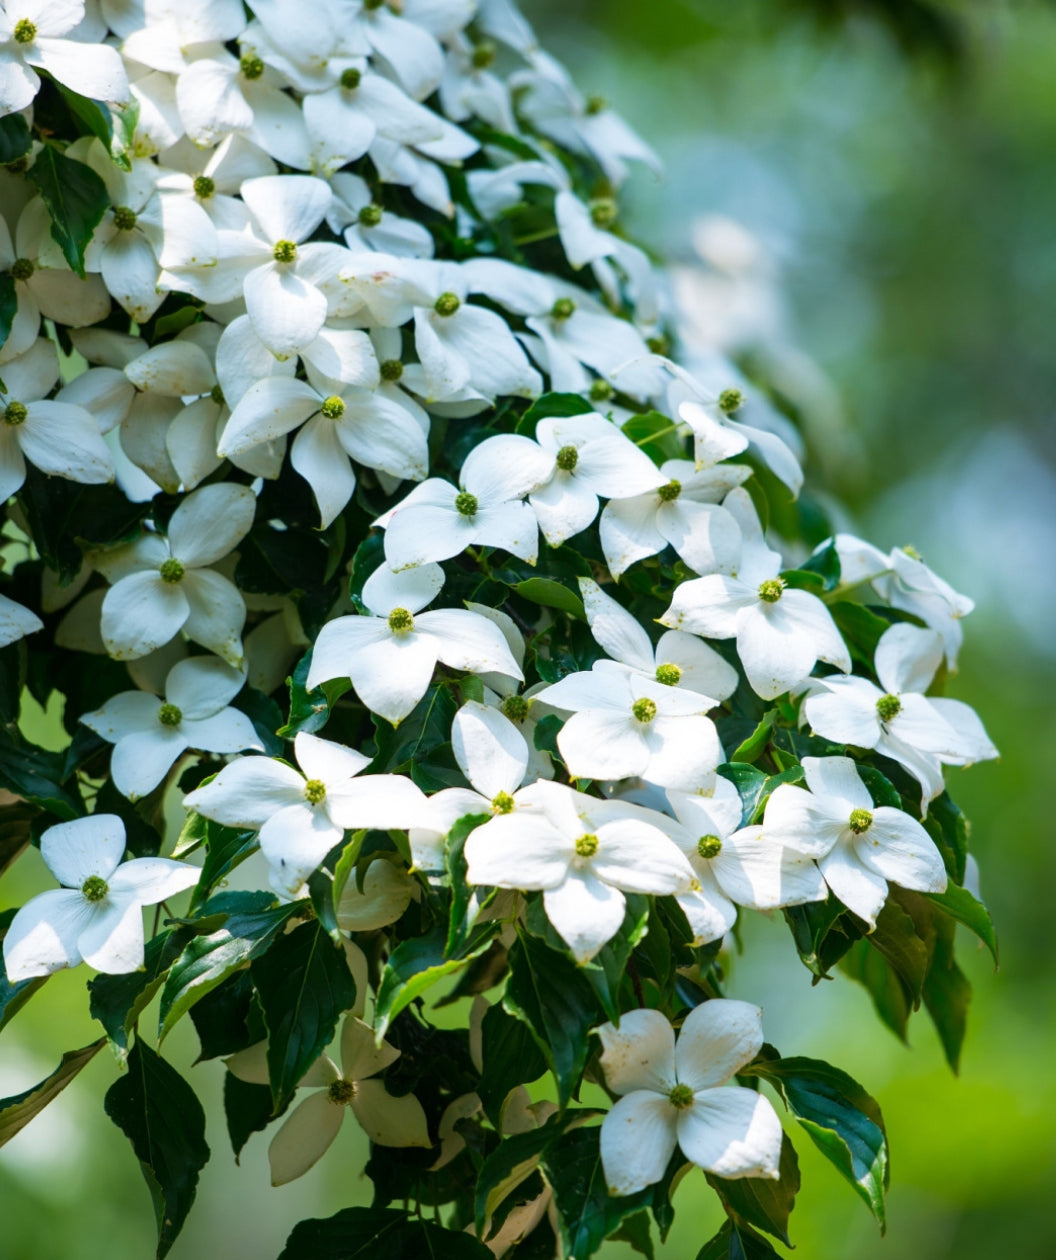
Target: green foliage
{"type": "Point", "coordinates": [17, 1111]}
{"type": "Point", "coordinates": [365, 1233]}
{"type": "Point", "coordinates": [75, 197]}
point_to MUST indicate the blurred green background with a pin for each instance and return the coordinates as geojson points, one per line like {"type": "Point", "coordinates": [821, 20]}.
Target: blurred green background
{"type": "Point", "coordinates": [893, 163]}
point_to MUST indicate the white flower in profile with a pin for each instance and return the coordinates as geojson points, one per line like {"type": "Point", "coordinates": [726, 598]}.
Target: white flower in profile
{"type": "Point", "coordinates": [895, 718]}
{"type": "Point", "coordinates": [366, 224]}
{"type": "Point", "coordinates": [781, 634]}
{"type": "Point", "coordinates": [16, 622]}
{"type": "Point", "coordinates": [734, 865]}
{"type": "Point", "coordinates": [585, 238]}
{"type": "Point", "coordinates": [678, 1095]}
{"type": "Point", "coordinates": [390, 655]}
{"type": "Point", "coordinates": [584, 854]}
{"type": "Point", "coordinates": [149, 733]}
{"type": "Point", "coordinates": [97, 915]}
{"type": "Point", "coordinates": [32, 39]}
{"type": "Point", "coordinates": [59, 438]}
{"type": "Point", "coordinates": [437, 520]}
{"type": "Point", "coordinates": [162, 585]}
{"type": "Point", "coordinates": [860, 847]}
{"type": "Point", "coordinates": [302, 814]}
{"type": "Point", "coordinates": [685, 512]}
{"type": "Point", "coordinates": [591, 457]}
{"type": "Point", "coordinates": [311, 1127]}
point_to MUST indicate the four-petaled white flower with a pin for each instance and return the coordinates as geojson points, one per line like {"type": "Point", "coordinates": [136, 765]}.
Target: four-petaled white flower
{"type": "Point", "coordinates": [860, 847]}
{"type": "Point", "coordinates": [584, 854]}
{"type": "Point", "coordinates": [390, 655]}
{"type": "Point", "coordinates": [677, 1094]}
{"type": "Point", "coordinates": [97, 915]}
{"type": "Point", "coordinates": [149, 734]}
{"type": "Point", "coordinates": [301, 816]}
{"type": "Point", "coordinates": [311, 1127]}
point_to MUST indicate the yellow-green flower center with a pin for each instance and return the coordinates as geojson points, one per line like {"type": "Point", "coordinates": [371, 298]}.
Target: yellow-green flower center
{"type": "Point", "coordinates": [391, 370]}
{"type": "Point", "coordinates": [204, 187]}
{"type": "Point", "coordinates": [251, 67]}
{"type": "Point", "coordinates": [771, 590]}
{"type": "Point", "coordinates": [94, 888]}
{"type": "Point", "coordinates": [15, 413]}
{"type": "Point", "coordinates": [567, 458]}
{"type": "Point", "coordinates": [466, 504]}
{"type": "Point", "coordinates": [333, 407]}
{"type": "Point", "coordinates": [400, 621]}
{"type": "Point", "coordinates": [669, 675]}
{"type": "Point", "coordinates": [171, 570]}
{"type": "Point", "coordinates": [671, 491]}
{"type": "Point", "coordinates": [587, 845]}
{"type": "Point", "coordinates": [217, 395]}
{"type": "Point", "coordinates": [603, 212]}
{"type": "Point", "coordinates": [124, 218]}
{"type": "Point", "coordinates": [284, 251]}
{"type": "Point", "coordinates": [370, 216]}
{"type": "Point", "coordinates": [709, 846]}
{"type": "Point", "coordinates": [483, 55]}
{"type": "Point", "coordinates": [516, 708]}
{"type": "Point", "coordinates": [314, 791]}
{"type": "Point", "coordinates": [595, 105]}
{"type": "Point", "coordinates": [644, 709]}
{"type": "Point", "coordinates": [730, 400]}
{"type": "Point", "coordinates": [502, 804]}
{"type": "Point", "coordinates": [447, 303]}
{"type": "Point", "coordinates": [25, 31]}
{"type": "Point", "coordinates": [351, 78]}
{"type": "Point", "coordinates": [888, 707]}
{"type": "Point", "coordinates": [170, 715]}
{"type": "Point", "coordinates": [341, 1092]}
{"type": "Point", "coordinates": [860, 821]}
{"type": "Point", "coordinates": [659, 344]}
{"type": "Point", "coordinates": [22, 269]}
{"type": "Point", "coordinates": [563, 308]}
{"type": "Point", "coordinates": [681, 1097]}
{"type": "Point", "coordinates": [600, 390]}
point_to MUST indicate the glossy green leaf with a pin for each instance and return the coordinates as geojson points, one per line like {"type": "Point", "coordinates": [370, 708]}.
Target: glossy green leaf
{"type": "Point", "coordinates": [326, 884]}
{"type": "Point", "coordinates": [550, 406]}
{"type": "Point", "coordinates": [947, 993]}
{"type": "Point", "coordinates": [17, 1111]}
{"type": "Point", "coordinates": [959, 904]}
{"type": "Point", "coordinates": [76, 199]}
{"type": "Point", "coordinates": [755, 745]}
{"type": "Point", "coordinates": [15, 820]}
{"type": "Point", "coordinates": [14, 138]}
{"type": "Point", "coordinates": [510, 1057]}
{"type": "Point", "coordinates": [737, 1241]}
{"type": "Point", "coordinates": [762, 1201]}
{"type": "Point", "coordinates": [508, 1166]}
{"type": "Point", "coordinates": [657, 435]}
{"type": "Point", "coordinates": [118, 1001]}
{"type": "Point", "coordinates": [550, 594]}
{"type": "Point", "coordinates": [247, 1110]}
{"type": "Point", "coordinates": [8, 305]}
{"type": "Point", "coordinates": [225, 849]}
{"type": "Point", "coordinates": [459, 920]}
{"type": "Point", "coordinates": [379, 1234]}
{"type": "Point", "coordinates": [415, 965]}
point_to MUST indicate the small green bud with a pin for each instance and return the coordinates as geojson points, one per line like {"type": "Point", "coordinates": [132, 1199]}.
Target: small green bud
{"type": "Point", "coordinates": [25, 31]}
{"type": "Point", "coordinates": [284, 251]}
{"type": "Point", "coordinates": [370, 216]}
{"type": "Point", "coordinates": [709, 846]}
{"type": "Point", "coordinates": [170, 715]}
{"type": "Point", "coordinates": [251, 67]}
{"type": "Point", "coordinates": [669, 675]}
{"type": "Point", "coordinates": [400, 621]}
{"type": "Point", "coordinates": [94, 888]}
{"type": "Point", "coordinates": [908, 549]}
{"type": "Point", "coordinates": [15, 413]}
{"type": "Point", "coordinates": [333, 407]}
{"type": "Point", "coordinates": [681, 1097]}
{"type": "Point", "coordinates": [567, 458]}
{"type": "Point", "coordinates": [888, 707]}
{"type": "Point", "coordinates": [204, 187]}
{"type": "Point", "coordinates": [860, 821]}
{"type": "Point", "coordinates": [22, 269]}
{"type": "Point", "coordinates": [502, 804]}
{"type": "Point", "coordinates": [315, 791]}
{"type": "Point", "coordinates": [659, 344]}
{"type": "Point", "coordinates": [483, 55]}
{"type": "Point", "coordinates": [603, 212]}
{"type": "Point", "coordinates": [771, 590]}
{"type": "Point", "coordinates": [217, 395]}
{"type": "Point", "coordinates": [341, 1092]}
{"type": "Point", "coordinates": [670, 492]}
{"type": "Point", "coordinates": [351, 78]}
{"type": "Point", "coordinates": [446, 304]}
{"type": "Point", "coordinates": [171, 570]}
{"type": "Point", "coordinates": [587, 845]}
{"type": "Point", "coordinates": [595, 104]}
{"type": "Point", "coordinates": [600, 390]}
{"type": "Point", "coordinates": [516, 708]}
{"type": "Point", "coordinates": [124, 218]}
{"type": "Point", "coordinates": [644, 709]}
{"type": "Point", "coordinates": [466, 504]}
{"type": "Point", "coordinates": [562, 309]}
{"type": "Point", "coordinates": [730, 400]}
{"type": "Point", "coordinates": [391, 370]}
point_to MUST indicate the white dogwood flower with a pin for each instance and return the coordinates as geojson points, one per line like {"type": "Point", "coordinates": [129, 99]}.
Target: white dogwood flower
{"type": "Point", "coordinates": [302, 814]}
{"type": "Point", "coordinates": [97, 915]}
{"type": "Point", "coordinates": [162, 585]}
{"type": "Point", "coordinates": [678, 1095]}
{"type": "Point", "coordinates": [368, 225]}
{"type": "Point", "coordinates": [149, 733]}
{"type": "Point", "coordinates": [895, 718]}
{"type": "Point", "coordinates": [16, 622]}
{"type": "Point", "coordinates": [309, 1130]}
{"type": "Point", "coordinates": [860, 847]}
{"type": "Point", "coordinates": [391, 654]}
{"type": "Point", "coordinates": [584, 854]}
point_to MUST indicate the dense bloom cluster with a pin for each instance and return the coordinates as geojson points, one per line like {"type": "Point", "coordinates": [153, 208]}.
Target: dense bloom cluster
{"type": "Point", "coordinates": [361, 499]}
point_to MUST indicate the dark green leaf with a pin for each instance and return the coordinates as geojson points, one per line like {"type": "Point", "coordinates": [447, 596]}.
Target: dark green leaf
{"type": "Point", "coordinates": [14, 138]}
{"type": "Point", "coordinates": [326, 885]}
{"type": "Point", "coordinates": [947, 993]}
{"type": "Point", "coordinates": [17, 1111]}
{"type": "Point", "coordinates": [247, 1109]}
{"type": "Point", "coordinates": [118, 1001]}
{"type": "Point", "coordinates": [75, 197]}
{"type": "Point", "coordinates": [161, 1116]}
{"type": "Point", "coordinates": [825, 562]}
{"type": "Point", "coordinates": [510, 1057]}
{"type": "Point", "coordinates": [309, 710]}
{"type": "Point", "coordinates": [961, 905]}
{"type": "Point", "coordinates": [225, 848]}
{"type": "Point", "coordinates": [657, 435]}
{"type": "Point", "coordinates": [861, 629]}
{"type": "Point", "coordinates": [304, 986]}
{"type": "Point", "coordinates": [749, 781]}
{"type": "Point", "coordinates": [510, 1164]}
{"type": "Point", "coordinates": [736, 1242]}
{"type": "Point", "coordinates": [761, 1201]}
{"type": "Point", "coordinates": [459, 922]}
{"type": "Point", "coordinates": [893, 1001]}
{"type": "Point", "coordinates": [15, 820]}
{"type": "Point", "coordinates": [222, 1019]}
{"type": "Point", "coordinates": [8, 305]}
{"type": "Point", "coordinates": [92, 117]}
{"type": "Point", "coordinates": [823, 932]}
{"type": "Point", "coordinates": [550, 594]}
{"type": "Point", "coordinates": [553, 406]}
{"type": "Point", "coordinates": [265, 715]}
{"type": "Point", "coordinates": [415, 965]}
{"type": "Point", "coordinates": [755, 745]}
{"type": "Point", "coordinates": [13, 996]}
{"type": "Point", "coordinates": [895, 936]}
{"type": "Point", "coordinates": [606, 969]}
{"type": "Point", "coordinates": [36, 775]}
{"type": "Point", "coordinates": [637, 1233]}
{"type": "Point", "coordinates": [379, 1234]}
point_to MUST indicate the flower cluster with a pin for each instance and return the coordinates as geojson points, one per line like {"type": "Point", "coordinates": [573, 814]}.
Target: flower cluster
{"type": "Point", "coordinates": [365, 505]}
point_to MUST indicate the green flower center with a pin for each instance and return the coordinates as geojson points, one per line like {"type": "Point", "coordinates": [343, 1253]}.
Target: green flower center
{"type": "Point", "coordinates": [391, 370]}
{"type": "Point", "coordinates": [603, 212]}
{"type": "Point", "coordinates": [567, 458]}
{"type": "Point", "coordinates": [25, 31]}
{"type": "Point", "coordinates": [709, 846]}
{"type": "Point", "coordinates": [204, 187]}
{"type": "Point", "coordinates": [516, 708]}
{"type": "Point", "coordinates": [888, 707]}
{"type": "Point", "coordinates": [314, 791]}
{"type": "Point", "coordinates": [333, 407]}
{"type": "Point", "coordinates": [171, 570]}
{"type": "Point", "coordinates": [659, 344]}
{"type": "Point", "coordinates": [370, 216]}
{"type": "Point", "coordinates": [251, 67]}
{"type": "Point", "coordinates": [94, 888]}
{"type": "Point", "coordinates": [351, 78]}
{"type": "Point", "coordinates": [124, 218]}
{"type": "Point", "coordinates": [670, 492]}
{"type": "Point", "coordinates": [861, 820]}
{"type": "Point", "coordinates": [587, 845]}
{"type": "Point", "coordinates": [669, 675]}
{"type": "Point", "coordinates": [502, 804]}
{"type": "Point", "coordinates": [217, 395]}
{"type": "Point", "coordinates": [22, 269]}
{"type": "Point", "coordinates": [600, 390]}
{"type": "Point", "coordinates": [447, 303]}
{"type": "Point", "coordinates": [771, 590]}
{"type": "Point", "coordinates": [370, 5]}
{"type": "Point", "coordinates": [341, 1093]}
{"type": "Point", "coordinates": [595, 104]}
{"type": "Point", "coordinates": [15, 413]}
{"type": "Point", "coordinates": [400, 621]}
{"type": "Point", "coordinates": [681, 1097]}
{"type": "Point", "coordinates": [644, 710]}
{"type": "Point", "coordinates": [284, 251]}
{"type": "Point", "coordinates": [912, 552]}
{"type": "Point", "coordinates": [466, 504]}
{"type": "Point", "coordinates": [563, 308]}
{"type": "Point", "coordinates": [730, 400]}
{"type": "Point", "coordinates": [170, 715]}
{"type": "Point", "coordinates": [483, 55]}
